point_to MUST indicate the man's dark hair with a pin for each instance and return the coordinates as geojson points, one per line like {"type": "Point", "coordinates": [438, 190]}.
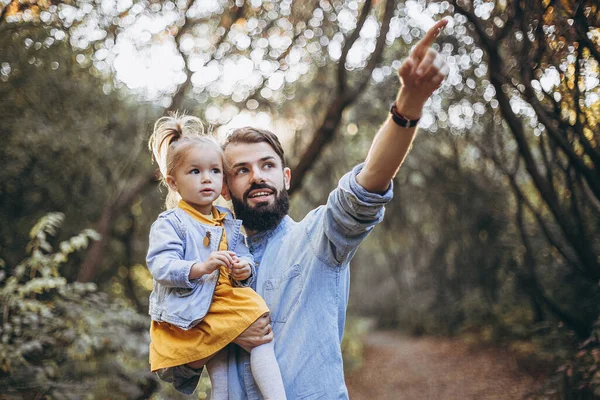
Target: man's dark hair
{"type": "Point", "coordinates": [249, 135]}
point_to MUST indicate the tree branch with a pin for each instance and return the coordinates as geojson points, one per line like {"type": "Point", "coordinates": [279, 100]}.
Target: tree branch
{"type": "Point", "coordinates": [579, 128]}
{"type": "Point", "coordinates": [256, 91]}
{"type": "Point", "coordinates": [349, 42]}
{"type": "Point", "coordinates": [179, 96]}
{"type": "Point", "coordinates": [566, 252]}
{"type": "Point", "coordinates": [89, 267]}
{"type": "Point", "coordinates": [546, 191]}
{"type": "Point", "coordinates": [532, 284]}
{"type": "Point", "coordinates": [3, 13]}
{"type": "Point", "coordinates": [556, 135]}
{"type": "Point", "coordinates": [333, 115]}
{"type": "Point", "coordinates": [377, 54]}
{"type": "Point", "coordinates": [582, 28]}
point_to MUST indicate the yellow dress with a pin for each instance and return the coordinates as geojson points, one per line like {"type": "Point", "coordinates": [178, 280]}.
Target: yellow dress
{"type": "Point", "coordinates": [232, 311]}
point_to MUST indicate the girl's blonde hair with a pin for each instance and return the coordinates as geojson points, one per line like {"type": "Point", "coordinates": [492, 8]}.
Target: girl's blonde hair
{"type": "Point", "coordinates": [171, 140]}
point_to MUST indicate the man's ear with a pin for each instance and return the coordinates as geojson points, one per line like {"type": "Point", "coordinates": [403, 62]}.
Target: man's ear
{"type": "Point", "coordinates": [225, 193]}
{"type": "Point", "coordinates": [287, 177]}
{"type": "Point", "coordinates": [171, 182]}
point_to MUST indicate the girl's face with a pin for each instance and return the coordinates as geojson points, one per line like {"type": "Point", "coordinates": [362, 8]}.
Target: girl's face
{"type": "Point", "coordinates": [199, 177]}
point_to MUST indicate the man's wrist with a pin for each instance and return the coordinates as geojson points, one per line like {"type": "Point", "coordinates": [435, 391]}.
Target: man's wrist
{"type": "Point", "coordinates": [408, 105]}
{"type": "Point", "coordinates": [401, 120]}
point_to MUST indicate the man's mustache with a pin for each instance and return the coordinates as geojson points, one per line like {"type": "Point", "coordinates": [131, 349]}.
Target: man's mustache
{"type": "Point", "coordinates": [255, 186]}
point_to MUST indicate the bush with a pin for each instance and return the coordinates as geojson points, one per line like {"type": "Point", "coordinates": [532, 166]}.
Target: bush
{"type": "Point", "coordinates": [61, 340]}
{"type": "Point", "coordinates": [581, 372]}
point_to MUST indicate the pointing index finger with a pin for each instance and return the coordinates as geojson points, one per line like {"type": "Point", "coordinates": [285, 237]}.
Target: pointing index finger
{"type": "Point", "coordinates": [430, 37]}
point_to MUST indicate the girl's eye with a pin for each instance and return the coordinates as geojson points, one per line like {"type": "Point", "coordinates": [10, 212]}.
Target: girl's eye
{"type": "Point", "coordinates": [216, 171]}
{"type": "Point", "coordinates": [195, 171]}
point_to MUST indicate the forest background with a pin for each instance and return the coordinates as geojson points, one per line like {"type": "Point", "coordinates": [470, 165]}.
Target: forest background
{"type": "Point", "coordinates": [493, 233]}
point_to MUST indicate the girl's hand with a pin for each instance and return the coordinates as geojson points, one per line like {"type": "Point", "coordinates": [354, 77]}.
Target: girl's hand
{"type": "Point", "coordinates": [214, 261]}
{"type": "Point", "coordinates": [241, 270]}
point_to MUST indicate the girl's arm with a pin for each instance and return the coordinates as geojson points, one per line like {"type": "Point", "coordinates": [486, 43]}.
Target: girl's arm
{"type": "Point", "coordinates": [166, 255]}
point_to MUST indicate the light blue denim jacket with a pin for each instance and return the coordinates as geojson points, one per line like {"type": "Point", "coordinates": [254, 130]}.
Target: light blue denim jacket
{"type": "Point", "coordinates": [303, 274]}
{"type": "Point", "coordinates": [176, 243]}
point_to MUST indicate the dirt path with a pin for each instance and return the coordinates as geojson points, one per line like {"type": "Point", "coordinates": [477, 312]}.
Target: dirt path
{"type": "Point", "coordinates": [401, 368]}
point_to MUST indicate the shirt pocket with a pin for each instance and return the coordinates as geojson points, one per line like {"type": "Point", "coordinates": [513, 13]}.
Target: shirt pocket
{"type": "Point", "coordinates": [185, 292]}
{"type": "Point", "coordinates": [282, 294]}
{"type": "Point", "coordinates": [186, 307]}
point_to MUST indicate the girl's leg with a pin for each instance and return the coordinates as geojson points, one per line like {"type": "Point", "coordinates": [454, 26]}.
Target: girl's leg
{"type": "Point", "coordinates": [217, 371]}
{"type": "Point", "coordinates": [184, 378]}
{"type": "Point", "coordinates": [266, 372]}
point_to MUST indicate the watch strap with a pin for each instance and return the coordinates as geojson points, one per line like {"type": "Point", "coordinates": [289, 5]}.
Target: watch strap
{"type": "Point", "coordinates": [400, 119]}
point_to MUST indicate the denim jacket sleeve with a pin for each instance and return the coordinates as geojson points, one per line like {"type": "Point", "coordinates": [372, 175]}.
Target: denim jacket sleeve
{"type": "Point", "coordinates": [242, 251]}
{"type": "Point", "coordinates": [350, 214]}
{"type": "Point", "coordinates": [166, 255]}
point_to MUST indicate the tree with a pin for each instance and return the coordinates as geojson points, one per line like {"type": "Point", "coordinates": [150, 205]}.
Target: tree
{"type": "Point", "coordinates": [71, 143]}
{"type": "Point", "coordinates": [539, 59]}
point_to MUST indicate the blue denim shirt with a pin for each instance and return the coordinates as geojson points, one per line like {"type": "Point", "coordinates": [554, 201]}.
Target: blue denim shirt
{"type": "Point", "coordinates": [176, 243]}
{"type": "Point", "coordinates": [303, 275]}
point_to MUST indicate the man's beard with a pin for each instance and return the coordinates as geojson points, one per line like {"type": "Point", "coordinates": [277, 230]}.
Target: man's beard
{"type": "Point", "coordinates": [262, 217]}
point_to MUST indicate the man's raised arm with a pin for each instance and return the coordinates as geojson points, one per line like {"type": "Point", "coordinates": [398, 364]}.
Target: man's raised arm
{"type": "Point", "coordinates": [421, 74]}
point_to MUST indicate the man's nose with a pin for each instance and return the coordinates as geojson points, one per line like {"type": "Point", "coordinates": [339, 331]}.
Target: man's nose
{"type": "Point", "coordinates": [257, 175]}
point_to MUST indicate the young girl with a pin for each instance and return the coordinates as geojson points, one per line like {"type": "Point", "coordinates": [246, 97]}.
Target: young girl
{"type": "Point", "coordinates": [201, 267]}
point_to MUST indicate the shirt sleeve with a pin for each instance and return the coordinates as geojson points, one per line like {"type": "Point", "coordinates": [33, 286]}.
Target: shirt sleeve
{"type": "Point", "coordinates": [345, 221]}
{"type": "Point", "coordinates": [166, 255]}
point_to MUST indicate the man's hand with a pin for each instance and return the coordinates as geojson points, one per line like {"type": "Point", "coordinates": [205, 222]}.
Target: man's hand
{"type": "Point", "coordinates": [421, 74]}
{"type": "Point", "coordinates": [240, 269]}
{"type": "Point", "coordinates": [260, 332]}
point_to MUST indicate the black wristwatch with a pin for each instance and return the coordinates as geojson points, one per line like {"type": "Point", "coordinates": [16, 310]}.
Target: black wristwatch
{"type": "Point", "coordinates": [401, 120]}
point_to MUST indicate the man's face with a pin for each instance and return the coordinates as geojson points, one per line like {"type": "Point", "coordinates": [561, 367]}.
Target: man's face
{"type": "Point", "coordinates": [257, 185]}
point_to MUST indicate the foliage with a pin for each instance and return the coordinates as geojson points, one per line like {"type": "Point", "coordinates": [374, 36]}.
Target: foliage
{"type": "Point", "coordinates": [581, 371]}
{"type": "Point", "coordinates": [64, 340]}
{"type": "Point", "coordinates": [72, 144]}
{"type": "Point", "coordinates": [537, 62]}
{"type": "Point", "coordinates": [352, 345]}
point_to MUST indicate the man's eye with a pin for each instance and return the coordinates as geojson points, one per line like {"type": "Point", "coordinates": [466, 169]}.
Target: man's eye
{"type": "Point", "coordinates": [269, 165]}
{"type": "Point", "coordinates": [241, 171]}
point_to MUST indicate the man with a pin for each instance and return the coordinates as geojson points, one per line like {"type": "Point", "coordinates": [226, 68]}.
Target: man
{"type": "Point", "coordinates": [302, 267]}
